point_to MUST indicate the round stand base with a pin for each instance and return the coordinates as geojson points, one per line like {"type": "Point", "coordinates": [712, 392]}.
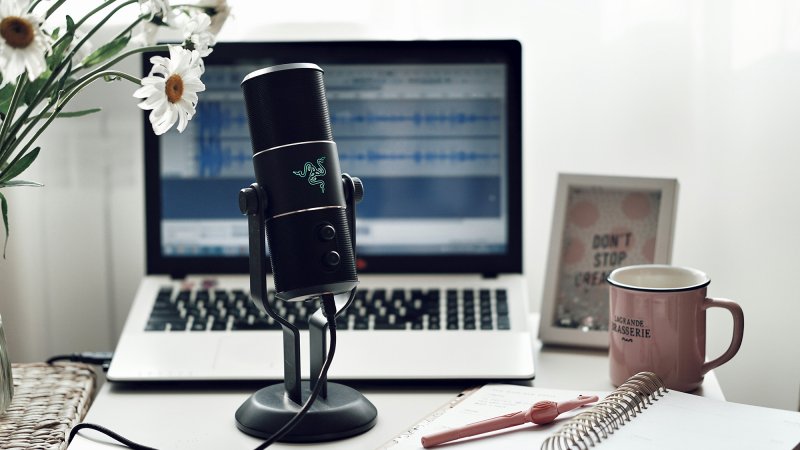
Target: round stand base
{"type": "Point", "coordinates": [344, 413]}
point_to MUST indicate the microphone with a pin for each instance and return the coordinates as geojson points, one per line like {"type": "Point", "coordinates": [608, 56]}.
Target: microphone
{"type": "Point", "coordinates": [306, 208]}
{"type": "Point", "coordinates": [297, 165]}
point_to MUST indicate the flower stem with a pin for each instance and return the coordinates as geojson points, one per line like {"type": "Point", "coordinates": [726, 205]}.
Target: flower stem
{"type": "Point", "coordinates": [61, 103]}
{"type": "Point", "coordinates": [93, 12]}
{"type": "Point", "coordinates": [95, 28]}
{"type": "Point", "coordinates": [126, 30]}
{"type": "Point", "coordinates": [86, 17]}
{"type": "Point", "coordinates": [43, 92]}
{"type": "Point", "coordinates": [46, 89]}
{"type": "Point", "coordinates": [6, 145]}
{"type": "Point", "coordinates": [51, 9]}
{"type": "Point", "coordinates": [120, 57]}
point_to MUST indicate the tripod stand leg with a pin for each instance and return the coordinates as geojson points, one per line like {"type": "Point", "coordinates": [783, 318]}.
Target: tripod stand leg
{"type": "Point", "coordinates": [252, 202]}
{"type": "Point", "coordinates": [341, 411]}
{"type": "Point", "coordinates": [291, 364]}
{"type": "Point", "coordinates": [318, 343]}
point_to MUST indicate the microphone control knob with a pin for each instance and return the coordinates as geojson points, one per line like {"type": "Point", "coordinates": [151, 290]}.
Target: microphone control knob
{"type": "Point", "coordinates": [248, 201]}
{"type": "Point", "coordinates": [358, 189]}
{"type": "Point", "coordinates": [331, 259]}
{"type": "Point", "coordinates": [327, 232]}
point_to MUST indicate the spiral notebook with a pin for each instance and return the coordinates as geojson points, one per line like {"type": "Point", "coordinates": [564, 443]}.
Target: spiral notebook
{"type": "Point", "coordinates": [639, 414]}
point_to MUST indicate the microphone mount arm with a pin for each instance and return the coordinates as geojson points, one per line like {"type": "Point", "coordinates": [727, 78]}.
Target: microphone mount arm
{"type": "Point", "coordinates": [253, 203]}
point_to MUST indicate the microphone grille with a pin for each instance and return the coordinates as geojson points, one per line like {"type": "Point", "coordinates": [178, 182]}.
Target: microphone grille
{"type": "Point", "coordinates": [286, 104]}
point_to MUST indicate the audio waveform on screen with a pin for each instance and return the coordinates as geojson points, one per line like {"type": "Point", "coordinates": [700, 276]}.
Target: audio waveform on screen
{"type": "Point", "coordinates": [222, 140]}
{"type": "Point", "coordinates": [215, 160]}
{"type": "Point", "coordinates": [221, 115]}
{"type": "Point", "coordinates": [414, 118]}
{"type": "Point", "coordinates": [382, 137]}
{"type": "Point", "coordinates": [418, 157]}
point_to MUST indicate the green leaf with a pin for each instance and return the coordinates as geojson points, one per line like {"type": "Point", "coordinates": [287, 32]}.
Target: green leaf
{"type": "Point", "coordinates": [4, 208]}
{"type": "Point", "coordinates": [18, 183]}
{"type": "Point", "coordinates": [58, 51]}
{"type": "Point", "coordinates": [6, 92]}
{"type": "Point", "coordinates": [70, 25]}
{"type": "Point", "coordinates": [19, 166]}
{"type": "Point", "coordinates": [64, 78]}
{"type": "Point", "coordinates": [61, 115]}
{"type": "Point", "coordinates": [54, 34]}
{"type": "Point", "coordinates": [107, 51]}
{"type": "Point", "coordinates": [33, 88]}
{"type": "Point", "coordinates": [83, 112]}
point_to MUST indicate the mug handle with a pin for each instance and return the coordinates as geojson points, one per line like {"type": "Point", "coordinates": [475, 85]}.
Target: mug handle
{"type": "Point", "coordinates": [738, 330]}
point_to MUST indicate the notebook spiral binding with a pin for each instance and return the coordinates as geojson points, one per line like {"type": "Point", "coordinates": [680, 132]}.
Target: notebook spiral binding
{"type": "Point", "coordinates": [591, 427]}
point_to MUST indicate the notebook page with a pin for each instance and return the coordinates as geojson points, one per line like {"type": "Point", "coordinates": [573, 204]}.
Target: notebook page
{"type": "Point", "coordinates": [489, 401]}
{"type": "Point", "coordinates": [679, 420]}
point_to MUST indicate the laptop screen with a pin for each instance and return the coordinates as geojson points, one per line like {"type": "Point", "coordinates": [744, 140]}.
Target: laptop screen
{"type": "Point", "coordinates": [432, 128]}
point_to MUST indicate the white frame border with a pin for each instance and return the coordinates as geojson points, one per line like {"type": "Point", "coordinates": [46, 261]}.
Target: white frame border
{"type": "Point", "coordinates": [550, 334]}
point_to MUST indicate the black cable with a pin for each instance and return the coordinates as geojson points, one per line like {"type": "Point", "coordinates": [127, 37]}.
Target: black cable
{"type": "Point", "coordinates": [102, 359]}
{"type": "Point", "coordinates": [329, 308]}
{"type": "Point", "coordinates": [127, 442]}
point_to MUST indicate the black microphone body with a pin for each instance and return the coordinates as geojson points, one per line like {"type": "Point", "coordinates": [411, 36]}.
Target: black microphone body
{"type": "Point", "coordinates": [297, 165]}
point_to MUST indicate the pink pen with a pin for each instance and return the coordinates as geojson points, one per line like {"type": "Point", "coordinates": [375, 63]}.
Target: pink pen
{"type": "Point", "coordinates": [540, 413]}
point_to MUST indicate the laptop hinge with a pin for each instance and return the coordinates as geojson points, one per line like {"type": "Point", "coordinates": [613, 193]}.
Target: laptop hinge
{"type": "Point", "coordinates": [490, 275]}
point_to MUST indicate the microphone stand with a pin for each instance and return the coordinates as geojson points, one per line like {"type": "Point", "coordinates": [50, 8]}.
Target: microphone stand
{"type": "Point", "coordinates": [339, 410]}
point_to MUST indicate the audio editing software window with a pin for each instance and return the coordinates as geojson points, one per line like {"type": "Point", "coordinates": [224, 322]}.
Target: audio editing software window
{"type": "Point", "coordinates": [428, 141]}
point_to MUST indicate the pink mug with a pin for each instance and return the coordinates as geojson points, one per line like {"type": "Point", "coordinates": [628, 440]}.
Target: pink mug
{"type": "Point", "coordinates": [658, 324]}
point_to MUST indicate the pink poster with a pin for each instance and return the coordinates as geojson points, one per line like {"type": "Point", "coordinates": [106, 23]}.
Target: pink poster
{"type": "Point", "coordinates": [604, 229]}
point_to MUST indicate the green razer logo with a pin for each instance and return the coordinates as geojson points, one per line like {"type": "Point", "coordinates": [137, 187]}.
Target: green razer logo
{"type": "Point", "coordinates": [313, 172]}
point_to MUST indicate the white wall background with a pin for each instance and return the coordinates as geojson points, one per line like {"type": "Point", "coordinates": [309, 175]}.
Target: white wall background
{"type": "Point", "coordinates": [704, 91]}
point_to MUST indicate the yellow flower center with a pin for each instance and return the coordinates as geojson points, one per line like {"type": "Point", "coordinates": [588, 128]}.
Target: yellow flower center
{"type": "Point", "coordinates": [174, 88]}
{"type": "Point", "coordinates": [16, 31]}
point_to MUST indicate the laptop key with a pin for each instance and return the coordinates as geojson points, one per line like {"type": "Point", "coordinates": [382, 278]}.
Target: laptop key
{"type": "Point", "coordinates": [155, 326]}
{"type": "Point", "coordinates": [503, 323]}
{"type": "Point", "coordinates": [389, 326]}
{"type": "Point", "coordinates": [502, 307]}
{"type": "Point", "coordinates": [177, 325]}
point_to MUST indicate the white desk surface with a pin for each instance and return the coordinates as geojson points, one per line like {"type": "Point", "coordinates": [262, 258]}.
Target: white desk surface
{"type": "Point", "coordinates": [171, 418]}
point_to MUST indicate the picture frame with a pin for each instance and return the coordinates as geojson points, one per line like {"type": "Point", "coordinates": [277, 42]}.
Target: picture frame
{"type": "Point", "coordinates": [600, 223]}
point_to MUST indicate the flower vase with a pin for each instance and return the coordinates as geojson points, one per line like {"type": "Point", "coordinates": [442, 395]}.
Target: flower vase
{"type": "Point", "coordinates": [6, 381]}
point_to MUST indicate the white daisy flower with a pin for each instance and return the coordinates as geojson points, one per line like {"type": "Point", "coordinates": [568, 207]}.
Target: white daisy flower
{"type": "Point", "coordinates": [22, 44]}
{"type": "Point", "coordinates": [170, 90]}
{"type": "Point", "coordinates": [157, 8]}
{"type": "Point", "coordinates": [196, 30]}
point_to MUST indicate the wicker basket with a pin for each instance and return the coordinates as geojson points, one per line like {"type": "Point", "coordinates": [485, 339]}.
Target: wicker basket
{"type": "Point", "coordinates": [48, 401]}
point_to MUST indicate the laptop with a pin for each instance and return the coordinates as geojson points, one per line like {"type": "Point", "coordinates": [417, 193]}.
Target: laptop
{"type": "Point", "coordinates": [433, 129]}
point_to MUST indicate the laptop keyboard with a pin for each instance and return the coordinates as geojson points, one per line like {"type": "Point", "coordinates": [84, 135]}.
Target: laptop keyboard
{"type": "Point", "coordinates": [178, 309]}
